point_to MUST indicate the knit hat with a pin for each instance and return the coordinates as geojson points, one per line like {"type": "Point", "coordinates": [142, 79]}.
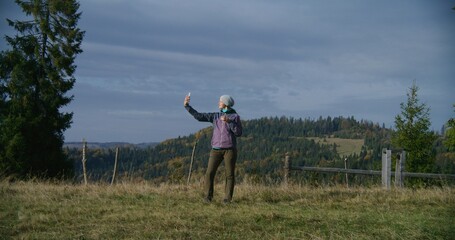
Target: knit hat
{"type": "Point", "coordinates": [227, 100]}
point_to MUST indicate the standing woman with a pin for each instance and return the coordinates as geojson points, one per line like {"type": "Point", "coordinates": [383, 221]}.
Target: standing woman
{"type": "Point", "coordinates": [226, 128]}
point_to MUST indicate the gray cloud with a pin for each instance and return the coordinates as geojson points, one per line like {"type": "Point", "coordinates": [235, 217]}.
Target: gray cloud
{"type": "Point", "coordinates": [293, 58]}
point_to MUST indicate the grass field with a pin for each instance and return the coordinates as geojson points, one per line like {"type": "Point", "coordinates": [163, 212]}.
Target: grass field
{"type": "Point", "coordinates": [345, 147]}
{"type": "Point", "coordinates": [37, 210]}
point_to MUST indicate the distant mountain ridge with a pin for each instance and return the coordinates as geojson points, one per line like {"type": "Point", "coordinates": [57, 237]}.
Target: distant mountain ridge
{"type": "Point", "coordinates": [109, 145]}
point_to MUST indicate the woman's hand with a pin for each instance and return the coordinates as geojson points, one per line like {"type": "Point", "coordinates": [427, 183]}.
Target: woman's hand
{"type": "Point", "coordinates": [225, 118]}
{"type": "Point", "coordinates": [186, 102]}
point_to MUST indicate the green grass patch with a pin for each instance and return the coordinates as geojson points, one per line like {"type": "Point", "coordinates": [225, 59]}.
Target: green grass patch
{"type": "Point", "coordinates": [36, 210]}
{"type": "Point", "coordinates": [345, 147]}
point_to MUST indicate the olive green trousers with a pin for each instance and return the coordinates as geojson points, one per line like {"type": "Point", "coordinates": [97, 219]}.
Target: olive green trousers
{"type": "Point", "coordinates": [216, 157]}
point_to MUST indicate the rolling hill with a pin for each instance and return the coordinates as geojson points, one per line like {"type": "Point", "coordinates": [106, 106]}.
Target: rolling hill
{"type": "Point", "coordinates": [310, 142]}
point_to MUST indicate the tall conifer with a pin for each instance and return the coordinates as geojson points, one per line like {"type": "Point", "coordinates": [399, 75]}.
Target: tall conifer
{"type": "Point", "coordinates": [35, 76]}
{"type": "Point", "coordinates": [413, 134]}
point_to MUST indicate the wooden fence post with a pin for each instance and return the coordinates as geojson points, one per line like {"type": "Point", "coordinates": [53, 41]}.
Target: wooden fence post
{"type": "Point", "coordinates": [386, 168]}
{"type": "Point", "coordinates": [191, 163]}
{"type": "Point", "coordinates": [84, 159]}
{"type": "Point", "coordinates": [346, 167]}
{"type": "Point", "coordinates": [115, 166]}
{"type": "Point", "coordinates": [399, 178]}
{"type": "Point", "coordinates": [287, 168]}
{"type": "Point", "coordinates": [402, 166]}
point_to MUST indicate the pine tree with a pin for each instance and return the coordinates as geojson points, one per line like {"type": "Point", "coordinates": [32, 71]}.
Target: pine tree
{"type": "Point", "coordinates": [413, 135]}
{"type": "Point", "coordinates": [35, 76]}
{"type": "Point", "coordinates": [449, 140]}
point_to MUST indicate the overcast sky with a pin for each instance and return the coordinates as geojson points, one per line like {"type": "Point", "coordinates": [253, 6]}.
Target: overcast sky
{"type": "Point", "coordinates": [303, 59]}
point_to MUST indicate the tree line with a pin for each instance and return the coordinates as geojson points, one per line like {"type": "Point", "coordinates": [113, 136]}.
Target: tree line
{"type": "Point", "coordinates": [261, 151]}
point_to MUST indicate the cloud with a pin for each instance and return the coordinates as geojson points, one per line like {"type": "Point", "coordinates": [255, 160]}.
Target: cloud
{"type": "Point", "coordinates": [293, 58]}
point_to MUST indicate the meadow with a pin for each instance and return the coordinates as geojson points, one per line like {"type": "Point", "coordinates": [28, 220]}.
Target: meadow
{"type": "Point", "coordinates": [345, 147]}
{"type": "Point", "coordinates": [56, 210]}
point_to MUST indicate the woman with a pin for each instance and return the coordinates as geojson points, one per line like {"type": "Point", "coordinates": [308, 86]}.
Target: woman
{"type": "Point", "coordinates": [226, 128]}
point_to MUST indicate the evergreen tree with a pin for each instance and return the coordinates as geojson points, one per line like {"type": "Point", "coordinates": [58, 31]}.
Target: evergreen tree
{"type": "Point", "coordinates": [413, 135]}
{"type": "Point", "coordinates": [35, 76]}
{"type": "Point", "coordinates": [450, 134]}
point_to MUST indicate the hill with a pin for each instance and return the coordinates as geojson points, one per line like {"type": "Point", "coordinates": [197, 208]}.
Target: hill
{"type": "Point", "coordinates": [323, 142]}
{"type": "Point", "coordinates": [310, 142]}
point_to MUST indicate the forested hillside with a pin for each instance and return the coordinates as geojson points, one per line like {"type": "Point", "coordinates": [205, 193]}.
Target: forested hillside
{"type": "Point", "coordinates": [324, 142]}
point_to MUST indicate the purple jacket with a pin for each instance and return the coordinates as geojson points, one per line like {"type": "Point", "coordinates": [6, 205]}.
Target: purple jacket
{"type": "Point", "coordinates": [224, 134]}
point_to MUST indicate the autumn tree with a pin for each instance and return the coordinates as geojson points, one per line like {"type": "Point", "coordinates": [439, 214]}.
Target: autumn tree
{"type": "Point", "coordinates": [35, 76]}
{"type": "Point", "coordinates": [413, 134]}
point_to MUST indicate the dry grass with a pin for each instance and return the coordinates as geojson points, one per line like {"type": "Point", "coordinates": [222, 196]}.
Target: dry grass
{"type": "Point", "coordinates": [37, 210]}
